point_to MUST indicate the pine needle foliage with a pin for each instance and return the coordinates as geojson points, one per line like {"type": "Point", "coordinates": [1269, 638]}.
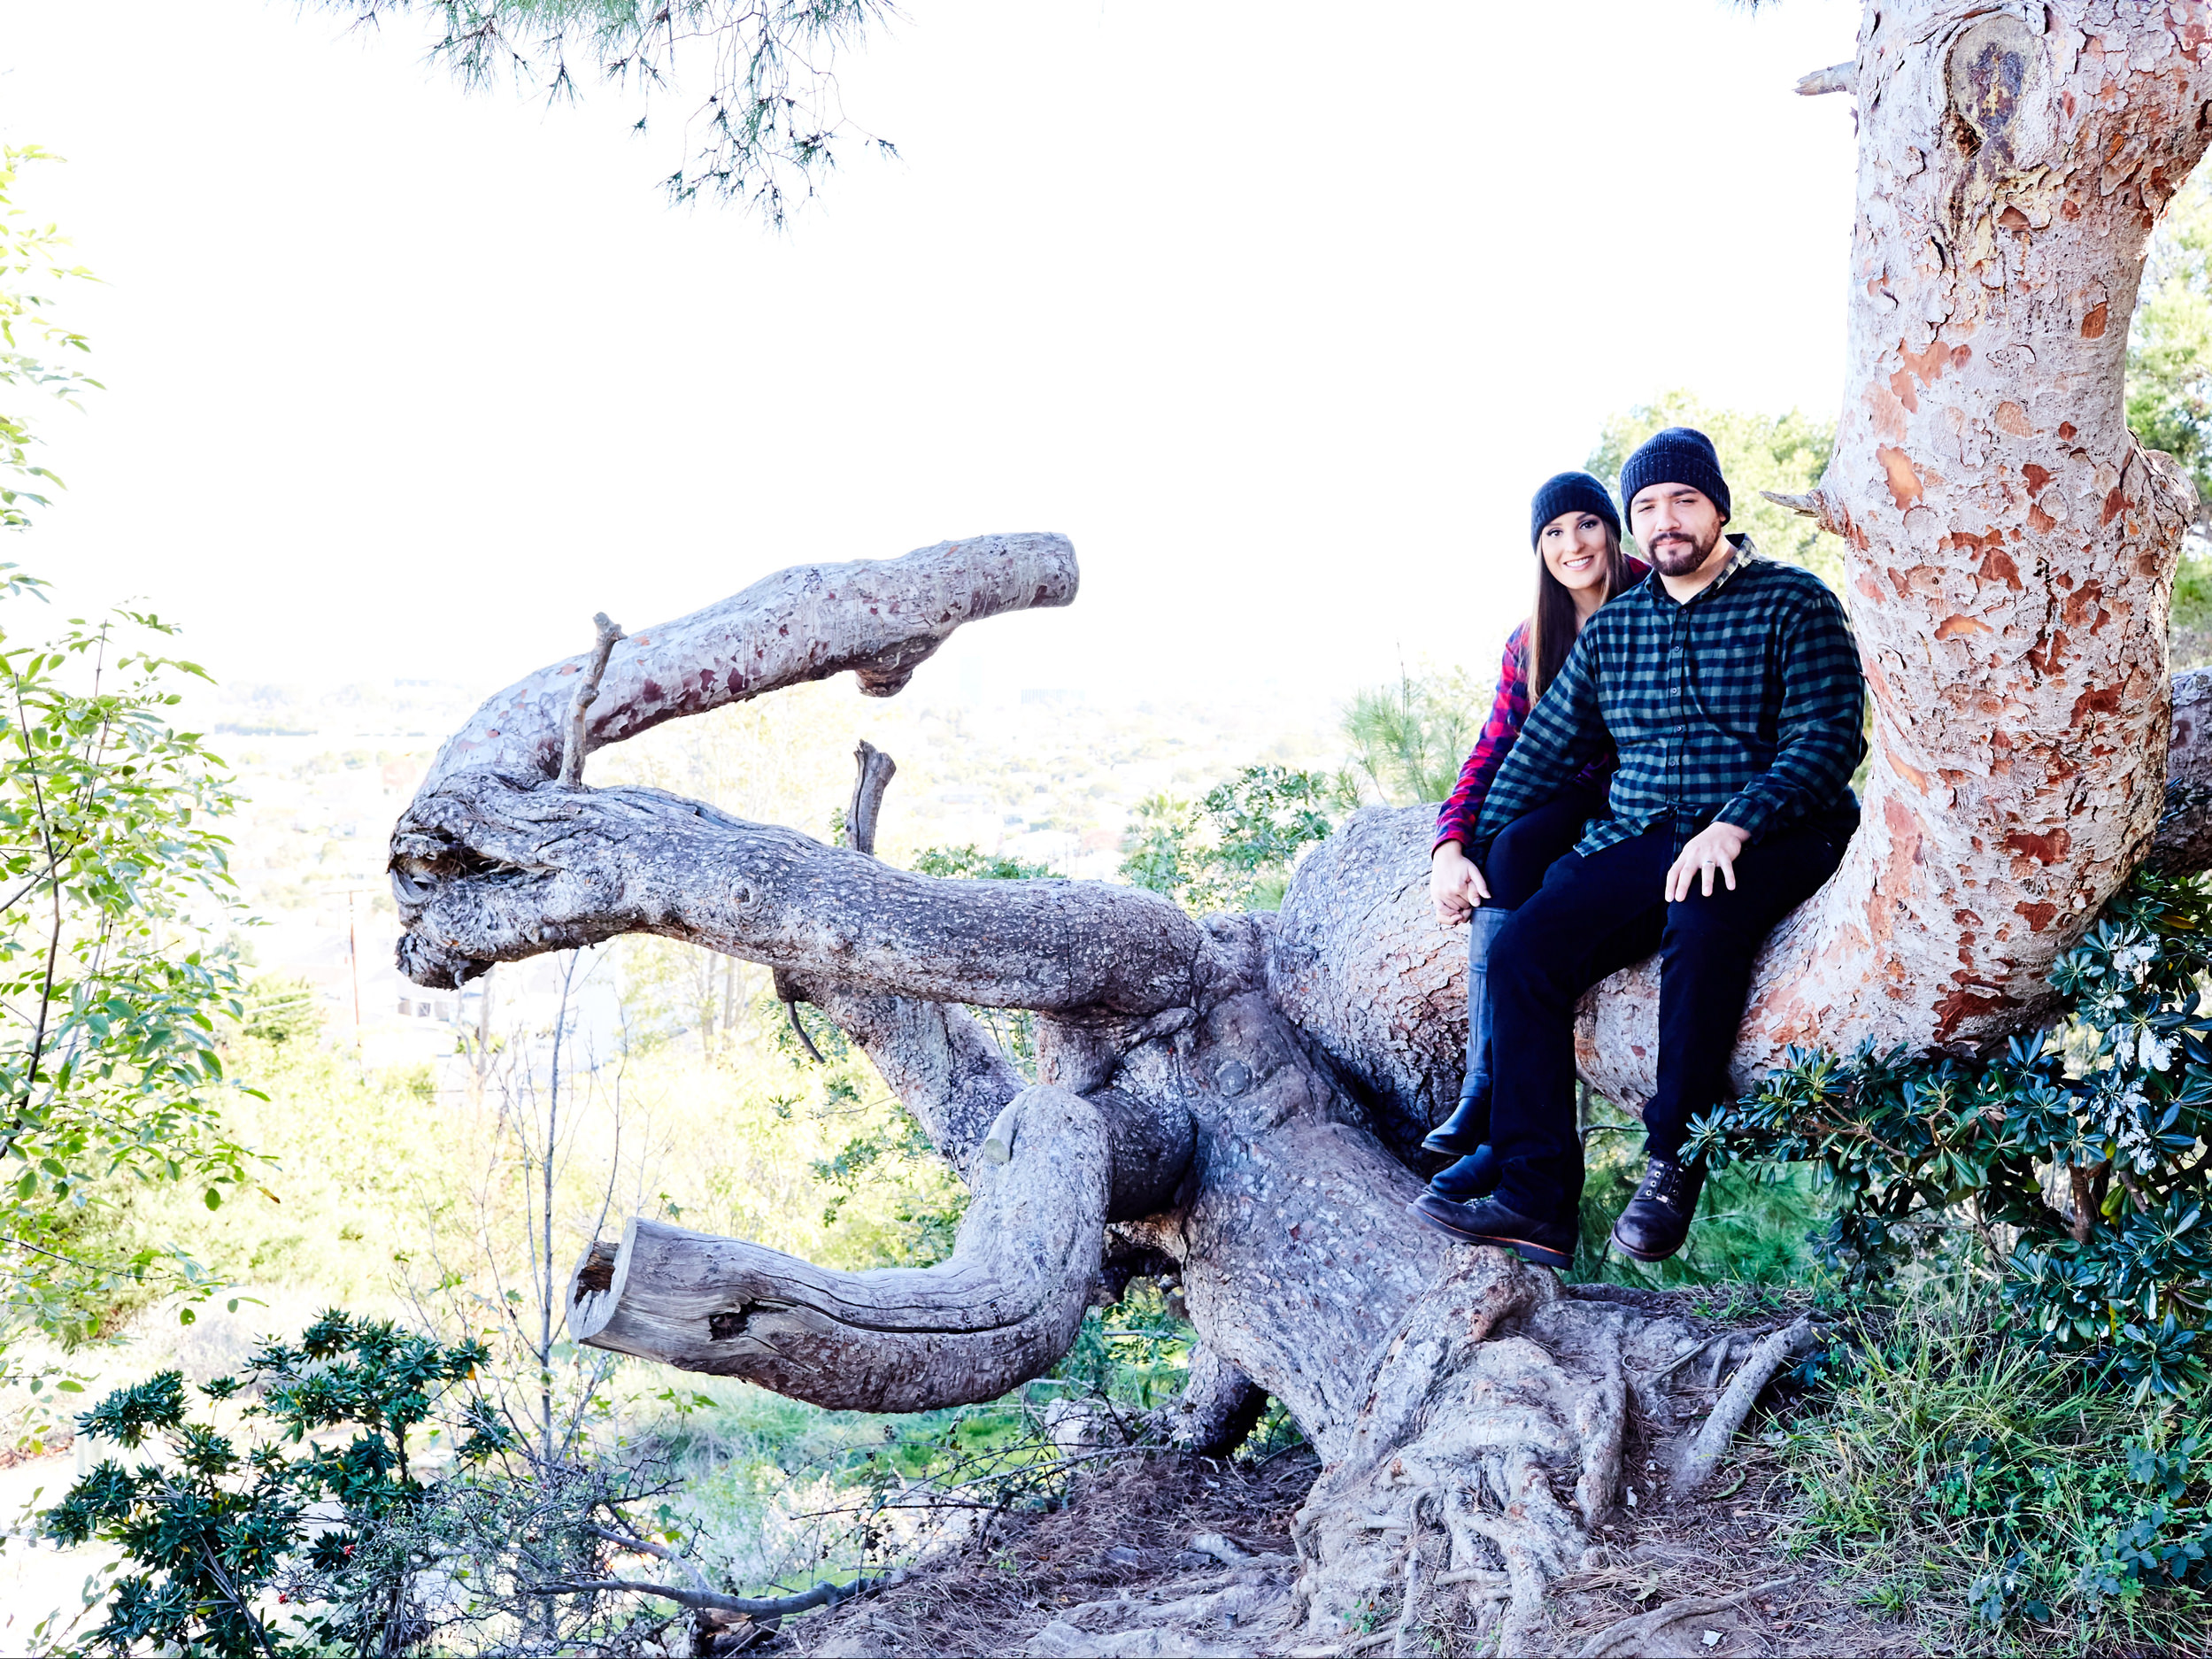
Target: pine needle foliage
{"type": "Point", "coordinates": [770, 125]}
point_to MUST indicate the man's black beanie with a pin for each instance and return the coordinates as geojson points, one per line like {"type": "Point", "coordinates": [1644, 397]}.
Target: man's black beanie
{"type": "Point", "coordinates": [1570, 492]}
{"type": "Point", "coordinates": [1680, 455]}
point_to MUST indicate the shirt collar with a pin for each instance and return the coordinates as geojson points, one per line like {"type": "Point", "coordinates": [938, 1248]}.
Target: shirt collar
{"type": "Point", "coordinates": [1745, 552]}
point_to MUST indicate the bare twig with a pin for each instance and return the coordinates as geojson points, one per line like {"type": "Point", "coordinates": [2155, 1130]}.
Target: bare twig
{"type": "Point", "coordinates": [661, 1552]}
{"type": "Point", "coordinates": [587, 693]}
{"type": "Point", "coordinates": [1834, 78]}
{"type": "Point", "coordinates": [824, 1594]}
{"type": "Point", "coordinates": [790, 1007]}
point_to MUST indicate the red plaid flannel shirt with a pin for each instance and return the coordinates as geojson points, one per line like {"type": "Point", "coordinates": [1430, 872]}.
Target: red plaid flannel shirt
{"type": "Point", "coordinates": [1508, 711]}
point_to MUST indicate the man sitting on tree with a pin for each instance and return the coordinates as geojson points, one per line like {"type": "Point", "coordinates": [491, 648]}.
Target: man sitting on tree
{"type": "Point", "coordinates": [1730, 686]}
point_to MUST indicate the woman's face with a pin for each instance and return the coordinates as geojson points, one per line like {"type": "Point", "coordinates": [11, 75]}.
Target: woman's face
{"type": "Point", "coordinates": [1574, 549]}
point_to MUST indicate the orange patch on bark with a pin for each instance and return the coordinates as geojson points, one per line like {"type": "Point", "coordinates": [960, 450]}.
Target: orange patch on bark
{"type": "Point", "coordinates": [1905, 488]}
{"type": "Point", "coordinates": [2116, 504]}
{"type": "Point", "coordinates": [2054, 648]}
{"type": "Point", "coordinates": [2042, 523]}
{"type": "Point", "coordinates": [2066, 429]}
{"type": "Point", "coordinates": [2093, 325]}
{"type": "Point", "coordinates": [1951, 627]}
{"type": "Point", "coordinates": [1997, 566]}
{"type": "Point", "coordinates": [1964, 1005]}
{"type": "Point", "coordinates": [2037, 476]}
{"type": "Point", "coordinates": [2046, 848]}
{"type": "Point", "coordinates": [1927, 364]}
{"type": "Point", "coordinates": [2039, 916]}
{"type": "Point", "coordinates": [2013, 419]}
{"type": "Point", "coordinates": [2082, 602]}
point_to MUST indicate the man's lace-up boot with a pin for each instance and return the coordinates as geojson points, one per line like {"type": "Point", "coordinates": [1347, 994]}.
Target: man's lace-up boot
{"type": "Point", "coordinates": [1657, 1219]}
{"type": "Point", "coordinates": [1488, 1221]}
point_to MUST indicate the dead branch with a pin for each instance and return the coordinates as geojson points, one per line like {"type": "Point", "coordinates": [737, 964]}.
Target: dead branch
{"type": "Point", "coordinates": [1633, 1634]}
{"type": "Point", "coordinates": [879, 618]}
{"type": "Point", "coordinates": [875, 771]}
{"type": "Point", "coordinates": [823, 1595]}
{"type": "Point", "coordinates": [580, 704]}
{"type": "Point", "coordinates": [1834, 78]}
{"type": "Point", "coordinates": [1007, 1305]}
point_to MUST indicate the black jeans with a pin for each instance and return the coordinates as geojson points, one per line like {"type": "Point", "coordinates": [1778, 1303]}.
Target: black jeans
{"type": "Point", "coordinates": [1513, 868]}
{"type": "Point", "coordinates": [1521, 855]}
{"type": "Point", "coordinates": [1593, 916]}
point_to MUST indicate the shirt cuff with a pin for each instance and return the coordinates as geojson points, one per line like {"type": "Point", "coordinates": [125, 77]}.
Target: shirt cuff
{"type": "Point", "coordinates": [1749, 812]}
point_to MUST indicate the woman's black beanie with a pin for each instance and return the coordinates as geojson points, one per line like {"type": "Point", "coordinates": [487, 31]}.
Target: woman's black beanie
{"type": "Point", "coordinates": [1566, 492]}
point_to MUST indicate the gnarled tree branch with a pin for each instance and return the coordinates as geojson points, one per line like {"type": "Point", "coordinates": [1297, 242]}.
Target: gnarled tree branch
{"type": "Point", "coordinates": [880, 618]}
{"type": "Point", "coordinates": [1004, 1307]}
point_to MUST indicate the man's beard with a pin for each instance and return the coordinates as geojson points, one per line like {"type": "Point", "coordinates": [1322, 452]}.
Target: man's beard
{"type": "Point", "coordinates": [1677, 554]}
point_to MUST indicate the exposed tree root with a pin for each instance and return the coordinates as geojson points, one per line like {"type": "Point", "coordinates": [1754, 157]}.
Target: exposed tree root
{"type": "Point", "coordinates": [1494, 1456]}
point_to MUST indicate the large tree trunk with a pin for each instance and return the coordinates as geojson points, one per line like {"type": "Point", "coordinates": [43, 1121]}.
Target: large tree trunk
{"type": "Point", "coordinates": [1236, 1099]}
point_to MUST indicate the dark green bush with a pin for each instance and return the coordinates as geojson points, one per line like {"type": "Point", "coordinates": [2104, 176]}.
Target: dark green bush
{"type": "Point", "coordinates": [209, 1529]}
{"type": "Point", "coordinates": [2078, 1157]}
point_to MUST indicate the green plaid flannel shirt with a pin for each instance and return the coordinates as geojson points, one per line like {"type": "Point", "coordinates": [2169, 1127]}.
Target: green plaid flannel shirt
{"type": "Point", "coordinates": [1744, 705]}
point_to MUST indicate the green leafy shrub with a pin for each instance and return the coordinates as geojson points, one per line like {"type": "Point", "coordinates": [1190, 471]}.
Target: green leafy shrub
{"type": "Point", "coordinates": [2107, 1110]}
{"type": "Point", "coordinates": [973, 861]}
{"type": "Point", "coordinates": [209, 1529]}
{"type": "Point", "coordinates": [1235, 849]}
{"type": "Point", "coordinates": [1409, 740]}
{"type": "Point", "coordinates": [281, 1008]}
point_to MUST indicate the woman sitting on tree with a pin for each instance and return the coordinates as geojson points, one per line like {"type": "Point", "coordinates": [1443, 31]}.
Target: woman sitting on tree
{"type": "Point", "coordinates": [1579, 566]}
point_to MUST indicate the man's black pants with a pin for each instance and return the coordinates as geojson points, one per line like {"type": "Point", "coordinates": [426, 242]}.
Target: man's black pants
{"type": "Point", "coordinates": [1592, 916]}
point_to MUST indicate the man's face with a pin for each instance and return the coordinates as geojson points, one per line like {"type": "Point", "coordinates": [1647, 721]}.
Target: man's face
{"type": "Point", "coordinates": [1676, 526]}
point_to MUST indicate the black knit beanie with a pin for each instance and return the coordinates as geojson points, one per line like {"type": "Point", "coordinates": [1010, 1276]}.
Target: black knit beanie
{"type": "Point", "coordinates": [1680, 455]}
{"type": "Point", "coordinates": [1570, 492]}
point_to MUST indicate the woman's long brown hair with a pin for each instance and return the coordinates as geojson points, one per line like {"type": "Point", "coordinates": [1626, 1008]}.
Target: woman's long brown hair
{"type": "Point", "coordinates": [1552, 627]}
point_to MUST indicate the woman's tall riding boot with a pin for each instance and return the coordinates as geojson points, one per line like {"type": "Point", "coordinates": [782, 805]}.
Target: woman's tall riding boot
{"type": "Point", "coordinates": [1469, 1126]}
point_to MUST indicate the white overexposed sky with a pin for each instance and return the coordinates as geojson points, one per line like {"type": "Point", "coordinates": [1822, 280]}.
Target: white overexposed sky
{"type": "Point", "coordinates": [1280, 310]}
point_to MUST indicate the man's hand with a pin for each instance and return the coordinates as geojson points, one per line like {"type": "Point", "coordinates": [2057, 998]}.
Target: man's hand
{"type": "Point", "coordinates": [1455, 886]}
{"type": "Point", "coordinates": [1717, 845]}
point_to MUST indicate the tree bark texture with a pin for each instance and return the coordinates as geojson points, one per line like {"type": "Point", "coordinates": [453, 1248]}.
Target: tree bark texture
{"type": "Point", "coordinates": [1238, 1098]}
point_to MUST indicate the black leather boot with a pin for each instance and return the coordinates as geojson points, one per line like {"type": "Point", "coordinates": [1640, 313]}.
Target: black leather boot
{"type": "Point", "coordinates": [1469, 1126]}
{"type": "Point", "coordinates": [1474, 1176]}
{"type": "Point", "coordinates": [1549, 1244]}
{"type": "Point", "coordinates": [1658, 1218]}
{"type": "Point", "coordinates": [1466, 1130]}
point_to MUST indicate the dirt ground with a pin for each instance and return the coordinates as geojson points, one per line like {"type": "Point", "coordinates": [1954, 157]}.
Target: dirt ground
{"type": "Point", "coordinates": [1126, 1533]}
